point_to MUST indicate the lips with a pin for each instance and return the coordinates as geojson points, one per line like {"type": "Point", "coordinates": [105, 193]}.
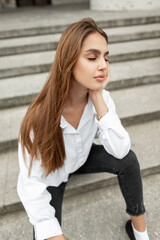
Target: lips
{"type": "Point", "coordinates": [100, 78]}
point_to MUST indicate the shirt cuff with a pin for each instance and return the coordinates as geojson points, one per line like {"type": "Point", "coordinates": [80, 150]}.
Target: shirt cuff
{"type": "Point", "coordinates": [47, 229]}
{"type": "Point", "coordinates": [108, 120]}
{"type": "Point", "coordinates": [111, 121]}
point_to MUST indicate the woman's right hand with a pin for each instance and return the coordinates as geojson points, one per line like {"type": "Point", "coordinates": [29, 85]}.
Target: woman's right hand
{"type": "Point", "coordinates": [59, 237]}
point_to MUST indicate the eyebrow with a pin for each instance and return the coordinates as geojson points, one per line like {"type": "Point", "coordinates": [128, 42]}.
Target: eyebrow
{"type": "Point", "coordinates": [92, 50]}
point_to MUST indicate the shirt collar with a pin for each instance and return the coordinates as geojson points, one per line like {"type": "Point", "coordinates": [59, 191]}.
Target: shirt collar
{"type": "Point", "coordinates": [63, 122]}
{"type": "Point", "coordinates": [86, 116]}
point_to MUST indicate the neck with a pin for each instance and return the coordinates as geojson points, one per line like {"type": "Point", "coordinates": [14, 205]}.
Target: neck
{"type": "Point", "coordinates": [77, 95]}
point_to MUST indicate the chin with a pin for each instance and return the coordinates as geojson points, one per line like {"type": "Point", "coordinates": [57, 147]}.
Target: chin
{"type": "Point", "coordinates": [96, 88]}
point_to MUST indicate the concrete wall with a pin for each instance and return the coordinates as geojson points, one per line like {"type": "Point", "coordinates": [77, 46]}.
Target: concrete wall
{"type": "Point", "coordinates": [100, 4]}
{"type": "Point", "coordinates": [7, 3]}
{"type": "Point", "coordinates": [12, 3]}
{"type": "Point", "coordinates": [60, 2]}
{"type": "Point", "coordinates": [123, 4]}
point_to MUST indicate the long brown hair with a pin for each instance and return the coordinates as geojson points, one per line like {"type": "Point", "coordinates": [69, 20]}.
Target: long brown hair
{"type": "Point", "coordinates": [44, 113]}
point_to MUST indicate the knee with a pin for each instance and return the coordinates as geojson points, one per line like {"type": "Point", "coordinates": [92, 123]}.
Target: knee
{"type": "Point", "coordinates": [132, 161]}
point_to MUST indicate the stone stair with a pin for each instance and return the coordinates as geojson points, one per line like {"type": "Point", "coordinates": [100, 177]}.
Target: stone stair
{"type": "Point", "coordinates": [17, 95]}
{"type": "Point", "coordinates": [49, 41]}
{"type": "Point", "coordinates": [31, 63]}
{"type": "Point", "coordinates": [26, 55]}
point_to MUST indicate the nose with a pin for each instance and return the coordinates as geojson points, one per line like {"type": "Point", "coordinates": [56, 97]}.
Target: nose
{"type": "Point", "coordinates": [102, 64]}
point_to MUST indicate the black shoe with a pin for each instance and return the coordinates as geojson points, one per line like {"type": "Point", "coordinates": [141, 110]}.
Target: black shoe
{"type": "Point", "coordinates": [129, 230]}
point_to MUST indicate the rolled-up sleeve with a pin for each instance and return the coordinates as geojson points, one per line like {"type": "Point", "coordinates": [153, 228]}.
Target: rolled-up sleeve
{"type": "Point", "coordinates": [36, 199]}
{"type": "Point", "coordinates": [111, 133]}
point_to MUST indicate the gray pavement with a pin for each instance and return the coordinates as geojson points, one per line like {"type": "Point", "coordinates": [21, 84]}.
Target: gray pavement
{"type": "Point", "coordinates": [98, 214]}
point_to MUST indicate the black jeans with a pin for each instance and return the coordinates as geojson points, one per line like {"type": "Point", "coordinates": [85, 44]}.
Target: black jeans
{"type": "Point", "coordinates": [127, 170]}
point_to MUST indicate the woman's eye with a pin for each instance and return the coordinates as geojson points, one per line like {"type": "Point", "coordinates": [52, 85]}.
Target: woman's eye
{"type": "Point", "coordinates": [92, 59]}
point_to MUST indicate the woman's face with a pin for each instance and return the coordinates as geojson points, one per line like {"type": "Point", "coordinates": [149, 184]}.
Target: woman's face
{"type": "Point", "coordinates": [90, 70]}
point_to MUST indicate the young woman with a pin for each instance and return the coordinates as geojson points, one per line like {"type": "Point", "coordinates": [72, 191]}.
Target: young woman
{"type": "Point", "coordinates": [58, 130]}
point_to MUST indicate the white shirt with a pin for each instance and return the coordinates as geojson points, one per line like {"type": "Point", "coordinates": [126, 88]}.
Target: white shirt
{"type": "Point", "coordinates": [32, 190]}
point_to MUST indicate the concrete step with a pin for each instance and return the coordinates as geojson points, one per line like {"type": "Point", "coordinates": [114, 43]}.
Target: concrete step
{"type": "Point", "coordinates": [132, 33]}
{"type": "Point", "coordinates": [92, 215]}
{"type": "Point", "coordinates": [32, 63]}
{"type": "Point", "coordinates": [22, 90]}
{"type": "Point", "coordinates": [30, 44]}
{"type": "Point", "coordinates": [145, 142]}
{"type": "Point", "coordinates": [49, 42]}
{"type": "Point", "coordinates": [135, 105]}
{"type": "Point", "coordinates": [48, 20]}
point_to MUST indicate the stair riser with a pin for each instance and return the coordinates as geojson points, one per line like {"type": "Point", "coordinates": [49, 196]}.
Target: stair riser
{"type": "Point", "coordinates": [115, 85]}
{"type": "Point", "coordinates": [53, 45]}
{"type": "Point", "coordinates": [24, 71]}
{"type": "Point", "coordinates": [59, 29]}
{"type": "Point", "coordinates": [28, 49]}
{"type": "Point", "coordinates": [17, 101]}
{"type": "Point", "coordinates": [134, 37]}
{"type": "Point", "coordinates": [141, 118]}
{"type": "Point", "coordinates": [46, 67]}
{"type": "Point", "coordinates": [8, 145]}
